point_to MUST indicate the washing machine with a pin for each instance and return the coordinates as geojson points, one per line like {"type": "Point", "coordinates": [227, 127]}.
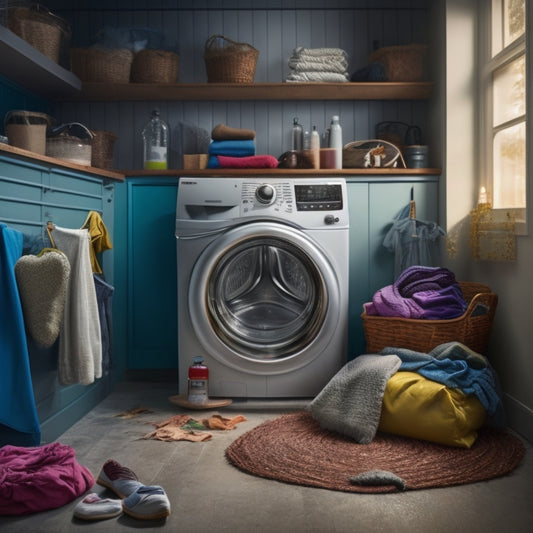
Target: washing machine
{"type": "Point", "coordinates": [262, 283]}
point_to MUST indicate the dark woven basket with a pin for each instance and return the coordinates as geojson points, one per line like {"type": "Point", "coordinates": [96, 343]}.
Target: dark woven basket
{"type": "Point", "coordinates": [102, 65]}
{"type": "Point", "coordinates": [402, 63]}
{"type": "Point", "coordinates": [227, 61]}
{"type": "Point", "coordinates": [102, 148]}
{"type": "Point", "coordinates": [471, 329]}
{"type": "Point", "coordinates": [155, 66]}
{"type": "Point", "coordinates": [46, 32]}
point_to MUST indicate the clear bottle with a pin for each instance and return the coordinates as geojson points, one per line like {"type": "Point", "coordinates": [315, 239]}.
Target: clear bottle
{"type": "Point", "coordinates": [297, 135]}
{"type": "Point", "coordinates": [198, 381]}
{"type": "Point", "coordinates": [315, 147]}
{"type": "Point", "coordinates": [155, 142]}
{"type": "Point", "coordinates": [335, 139]}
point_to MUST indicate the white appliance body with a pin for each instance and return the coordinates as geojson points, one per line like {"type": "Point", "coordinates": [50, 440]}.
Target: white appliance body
{"type": "Point", "coordinates": [262, 283]}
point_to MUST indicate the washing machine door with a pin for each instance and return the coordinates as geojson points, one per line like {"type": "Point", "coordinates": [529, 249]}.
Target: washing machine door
{"type": "Point", "coordinates": [264, 298]}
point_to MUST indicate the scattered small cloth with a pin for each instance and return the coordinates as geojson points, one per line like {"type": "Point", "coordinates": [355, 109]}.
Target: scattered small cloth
{"type": "Point", "coordinates": [184, 427]}
{"type": "Point", "coordinates": [132, 413]}
{"type": "Point", "coordinates": [252, 161]}
{"type": "Point", "coordinates": [221, 132]}
{"type": "Point", "coordinates": [42, 282]}
{"type": "Point", "coordinates": [378, 478]}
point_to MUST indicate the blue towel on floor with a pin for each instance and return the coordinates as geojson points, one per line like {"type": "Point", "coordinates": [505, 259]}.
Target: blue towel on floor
{"type": "Point", "coordinates": [19, 424]}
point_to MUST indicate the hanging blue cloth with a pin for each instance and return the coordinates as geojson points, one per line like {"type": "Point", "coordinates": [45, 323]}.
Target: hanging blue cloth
{"type": "Point", "coordinates": [19, 424]}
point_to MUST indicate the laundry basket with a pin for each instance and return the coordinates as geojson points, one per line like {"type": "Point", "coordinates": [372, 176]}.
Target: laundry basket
{"type": "Point", "coordinates": [471, 329]}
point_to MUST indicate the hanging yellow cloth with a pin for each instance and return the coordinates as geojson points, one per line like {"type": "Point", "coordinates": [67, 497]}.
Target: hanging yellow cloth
{"type": "Point", "coordinates": [100, 240]}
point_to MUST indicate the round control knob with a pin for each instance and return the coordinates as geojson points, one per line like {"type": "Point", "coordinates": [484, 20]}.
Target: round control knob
{"type": "Point", "coordinates": [265, 194]}
{"type": "Point", "coordinates": [330, 219]}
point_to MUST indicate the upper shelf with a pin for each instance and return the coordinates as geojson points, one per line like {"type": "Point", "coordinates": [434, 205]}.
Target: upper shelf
{"type": "Point", "coordinates": [107, 92]}
{"type": "Point", "coordinates": [26, 66]}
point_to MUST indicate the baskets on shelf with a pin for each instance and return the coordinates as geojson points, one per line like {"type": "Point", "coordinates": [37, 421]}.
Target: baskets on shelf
{"type": "Point", "coordinates": [155, 66]}
{"type": "Point", "coordinates": [46, 32]}
{"type": "Point", "coordinates": [227, 61]}
{"type": "Point", "coordinates": [102, 65]}
{"type": "Point", "coordinates": [102, 148]}
{"type": "Point", "coordinates": [402, 63]}
{"type": "Point", "coordinates": [472, 328]}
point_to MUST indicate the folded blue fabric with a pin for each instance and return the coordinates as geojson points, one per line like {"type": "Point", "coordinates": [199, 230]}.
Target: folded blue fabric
{"type": "Point", "coordinates": [445, 365]}
{"type": "Point", "coordinates": [233, 148]}
{"type": "Point", "coordinates": [19, 423]}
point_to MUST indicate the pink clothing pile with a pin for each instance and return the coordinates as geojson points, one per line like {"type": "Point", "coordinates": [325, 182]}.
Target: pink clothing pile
{"type": "Point", "coordinates": [40, 478]}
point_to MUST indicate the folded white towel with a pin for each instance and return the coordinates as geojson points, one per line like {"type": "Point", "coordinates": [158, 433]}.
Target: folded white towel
{"type": "Point", "coordinates": [301, 52]}
{"type": "Point", "coordinates": [326, 64]}
{"type": "Point", "coordinates": [331, 77]}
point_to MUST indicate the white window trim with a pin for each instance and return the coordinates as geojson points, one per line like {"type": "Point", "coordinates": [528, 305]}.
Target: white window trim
{"type": "Point", "coordinates": [485, 110]}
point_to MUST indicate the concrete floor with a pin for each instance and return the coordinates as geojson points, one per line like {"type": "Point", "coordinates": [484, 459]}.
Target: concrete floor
{"type": "Point", "coordinates": [209, 495]}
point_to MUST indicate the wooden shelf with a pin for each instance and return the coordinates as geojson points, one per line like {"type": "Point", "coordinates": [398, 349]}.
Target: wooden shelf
{"type": "Point", "coordinates": [19, 153]}
{"type": "Point", "coordinates": [108, 92]}
{"type": "Point", "coordinates": [26, 66]}
{"type": "Point", "coordinates": [230, 172]}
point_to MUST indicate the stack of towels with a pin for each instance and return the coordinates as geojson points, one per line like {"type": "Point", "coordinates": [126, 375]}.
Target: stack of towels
{"type": "Point", "coordinates": [235, 148]}
{"type": "Point", "coordinates": [318, 64]}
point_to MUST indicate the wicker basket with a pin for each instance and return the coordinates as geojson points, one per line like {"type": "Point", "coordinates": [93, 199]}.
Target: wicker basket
{"type": "Point", "coordinates": [27, 130]}
{"type": "Point", "coordinates": [402, 63]}
{"type": "Point", "coordinates": [155, 66]}
{"type": "Point", "coordinates": [102, 149]}
{"type": "Point", "coordinates": [43, 30]}
{"type": "Point", "coordinates": [227, 61]}
{"type": "Point", "coordinates": [472, 328]}
{"type": "Point", "coordinates": [101, 65]}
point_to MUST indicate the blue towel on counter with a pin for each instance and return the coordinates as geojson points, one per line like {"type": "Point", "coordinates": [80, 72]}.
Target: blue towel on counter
{"type": "Point", "coordinates": [233, 148]}
{"type": "Point", "coordinates": [453, 364]}
{"type": "Point", "coordinates": [19, 423]}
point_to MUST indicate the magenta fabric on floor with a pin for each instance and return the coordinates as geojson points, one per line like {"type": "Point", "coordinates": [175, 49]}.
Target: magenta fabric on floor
{"type": "Point", "coordinates": [40, 478]}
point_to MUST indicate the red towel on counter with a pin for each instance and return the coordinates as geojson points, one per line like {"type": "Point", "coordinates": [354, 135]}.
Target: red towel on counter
{"type": "Point", "coordinates": [40, 478]}
{"type": "Point", "coordinates": [252, 161]}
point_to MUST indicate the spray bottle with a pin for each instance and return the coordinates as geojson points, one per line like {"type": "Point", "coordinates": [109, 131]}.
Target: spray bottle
{"type": "Point", "coordinates": [198, 381]}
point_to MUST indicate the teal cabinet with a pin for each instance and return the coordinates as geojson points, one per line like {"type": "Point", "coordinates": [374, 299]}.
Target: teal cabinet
{"type": "Point", "coordinates": [146, 264]}
{"type": "Point", "coordinates": [31, 194]}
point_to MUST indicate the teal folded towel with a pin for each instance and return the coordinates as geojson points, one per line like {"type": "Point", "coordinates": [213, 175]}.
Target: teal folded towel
{"type": "Point", "coordinates": [237, 148]}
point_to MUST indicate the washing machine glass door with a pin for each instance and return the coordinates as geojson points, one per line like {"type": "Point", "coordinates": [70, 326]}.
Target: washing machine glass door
{"type": "Point", "coordinates": [266, 290]}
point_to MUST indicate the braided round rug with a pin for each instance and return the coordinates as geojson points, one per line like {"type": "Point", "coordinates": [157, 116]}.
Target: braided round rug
{"type": "Point", "coordinates": [294, 449]}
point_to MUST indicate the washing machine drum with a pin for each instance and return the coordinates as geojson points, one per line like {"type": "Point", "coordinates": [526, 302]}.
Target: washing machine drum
{"type": "Point", "coordinates": [262, 292]}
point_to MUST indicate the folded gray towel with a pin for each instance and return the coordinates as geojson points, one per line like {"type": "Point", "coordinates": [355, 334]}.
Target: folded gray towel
{"type": "Point", "coordinates": [351, 402]}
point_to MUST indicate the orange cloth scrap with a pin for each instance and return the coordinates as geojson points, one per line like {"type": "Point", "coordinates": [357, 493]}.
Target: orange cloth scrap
{"type": "Point", "coordinates": [184, 427]}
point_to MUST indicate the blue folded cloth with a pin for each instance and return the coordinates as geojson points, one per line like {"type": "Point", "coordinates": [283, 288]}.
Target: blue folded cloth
{"type": "Point", "coordinates": [233, 148]}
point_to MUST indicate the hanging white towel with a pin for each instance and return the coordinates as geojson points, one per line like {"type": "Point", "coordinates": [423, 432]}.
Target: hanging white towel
{"type": "Point", "coordinates": [80, 346]}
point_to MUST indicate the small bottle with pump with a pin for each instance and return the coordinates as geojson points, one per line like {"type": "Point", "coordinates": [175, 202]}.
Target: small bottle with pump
{"type": "Point", "coordinates": [155, 137]}
{"type": "Point", "coordinates": [335, 139]}
{"type": "Point", "coordinates": [198, 381]}
{"type": "Point", "coordinates": [297, 135]}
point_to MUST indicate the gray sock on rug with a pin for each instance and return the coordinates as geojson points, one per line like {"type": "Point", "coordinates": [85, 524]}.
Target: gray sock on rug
{"type": "Point", "coordinates": [378, 478]}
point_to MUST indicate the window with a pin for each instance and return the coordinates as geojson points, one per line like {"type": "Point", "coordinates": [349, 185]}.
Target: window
{"type": "Point", "coordinates": [503, 114]}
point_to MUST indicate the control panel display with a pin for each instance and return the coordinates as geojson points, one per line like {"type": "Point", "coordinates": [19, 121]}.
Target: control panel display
{"type": "Point", "coordinates": [320, 197]}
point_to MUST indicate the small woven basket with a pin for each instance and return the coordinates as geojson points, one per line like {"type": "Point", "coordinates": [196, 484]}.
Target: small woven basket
{"type": "Point", "coordinates": [472, 328]}
{"type": "Point", "coordinates": [227, 61]}
{"type": "Point", "coordinates": [402, 63]}
{"type": "Point", "coordinates": [101, 65]}
{"type": "Point", "coordinates": [46, 32]}
{"type": "Point", "coordinates": [155, 66]}
{"type": "Point", "coordinates": [102, 148]}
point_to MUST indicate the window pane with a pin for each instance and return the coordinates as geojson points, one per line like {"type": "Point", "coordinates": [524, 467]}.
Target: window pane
{"type": "Point", "coordinates": [514, 20]}
{"type": "Point", "coordinates": [510, 91]}
{"type": "Point", "coordinates": [508, 22]}
{"type": "Point", "coordinates": [510, 167]}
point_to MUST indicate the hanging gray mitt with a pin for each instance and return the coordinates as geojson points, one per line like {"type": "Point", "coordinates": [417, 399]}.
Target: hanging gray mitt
{"type": "Point", "coordinates": [42, 282]}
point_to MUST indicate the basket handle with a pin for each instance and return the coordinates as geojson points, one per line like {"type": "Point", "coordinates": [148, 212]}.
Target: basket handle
{"type": "Point", "coordinates": [485, 299]}
{"type": "Point", "coordinates": [219, 36]}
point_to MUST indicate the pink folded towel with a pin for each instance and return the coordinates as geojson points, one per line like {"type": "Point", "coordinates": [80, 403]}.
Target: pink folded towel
{"type": "Point", "coordinates": [252, 161]}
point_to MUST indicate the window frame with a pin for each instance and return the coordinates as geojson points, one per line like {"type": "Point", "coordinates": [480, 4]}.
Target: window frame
{"type": "Point", "coordinates": [488, 65]}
